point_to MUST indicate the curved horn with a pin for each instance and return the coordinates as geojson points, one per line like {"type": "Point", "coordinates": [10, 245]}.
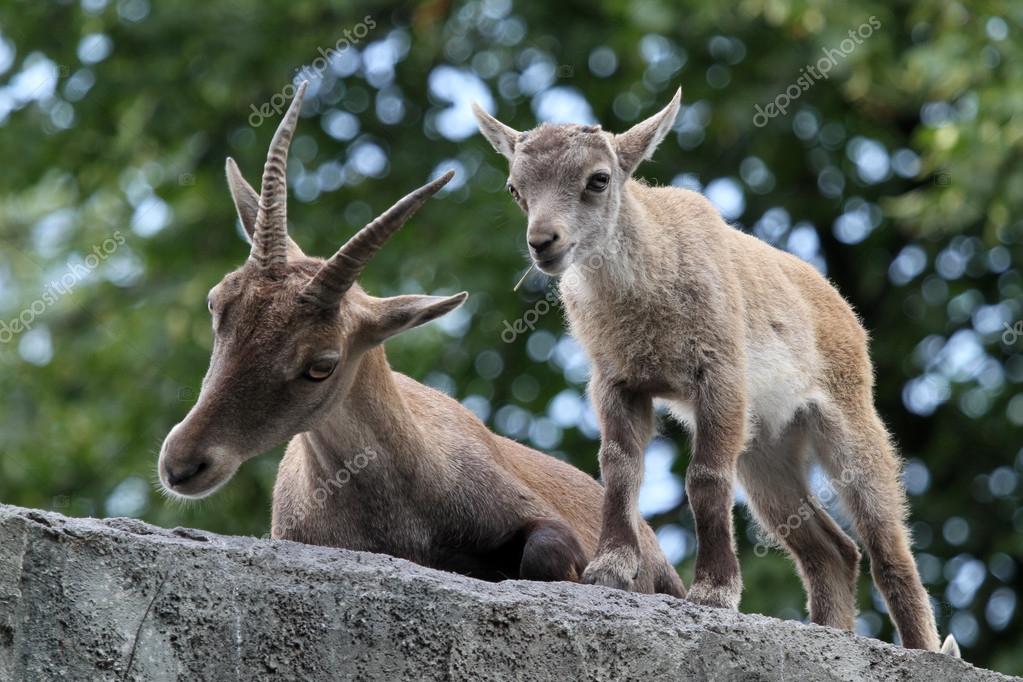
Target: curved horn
{"type": "Point", "coordinates": [339, 273]}
{"type": "Point", "coordinates": [269, 238]}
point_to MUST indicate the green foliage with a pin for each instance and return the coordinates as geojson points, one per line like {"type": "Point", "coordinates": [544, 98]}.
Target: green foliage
{"type": "Point", "coordinates": [899, 173]}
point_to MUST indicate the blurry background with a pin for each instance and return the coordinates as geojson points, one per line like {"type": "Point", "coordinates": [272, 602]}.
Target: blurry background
{"type": "Point", "coordinates": [899, 175]}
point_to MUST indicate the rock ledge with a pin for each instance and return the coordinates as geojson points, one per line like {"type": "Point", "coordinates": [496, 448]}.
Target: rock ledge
{"type": "Point", "coordinates": [114, 599]}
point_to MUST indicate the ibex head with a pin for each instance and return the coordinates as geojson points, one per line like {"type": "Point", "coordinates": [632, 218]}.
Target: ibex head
{"type": "Point", "coordinates": [568, 179]}
{"type": "Point", "coordinates": [289, 331]}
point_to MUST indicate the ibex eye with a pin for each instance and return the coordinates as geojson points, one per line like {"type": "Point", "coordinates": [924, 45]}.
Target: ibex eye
{"type": "Point", "coordinates": [514, 192]}
{"type": "Point", "coordinates": [318, 370]}
{"type": "Point", "coordinates": [598, 182]}
{"type": "Point", "coordinates": [209, 304]}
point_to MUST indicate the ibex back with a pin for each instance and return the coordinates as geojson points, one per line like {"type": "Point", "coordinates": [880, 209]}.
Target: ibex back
{"type": "Point", "coordinates": [376, 461]}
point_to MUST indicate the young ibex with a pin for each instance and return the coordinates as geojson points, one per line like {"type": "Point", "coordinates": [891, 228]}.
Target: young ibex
{"type": "Point", "coordinates": [750, 347]}
{"type": "Point", "coordinates": [379, 463]}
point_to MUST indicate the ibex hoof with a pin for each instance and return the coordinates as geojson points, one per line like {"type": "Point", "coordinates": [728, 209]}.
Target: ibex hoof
{"type": "Point", "coordinates": [950, 647]}
{"type": "Point", "coordinates": [720, 596]}
{"type": "Point", "coordinates": [617, 568]}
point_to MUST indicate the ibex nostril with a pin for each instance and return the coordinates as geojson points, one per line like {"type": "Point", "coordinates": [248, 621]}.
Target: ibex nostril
{"type": "Point", "coordinates": [541, 245]}
{"type": "Point", "coordinates": [183, 474]}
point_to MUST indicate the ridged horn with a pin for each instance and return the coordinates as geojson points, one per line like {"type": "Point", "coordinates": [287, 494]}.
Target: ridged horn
{"type": "Point", "coordinates": [339, 273]}
{"type": "Point", "coordinates": [270, 237]}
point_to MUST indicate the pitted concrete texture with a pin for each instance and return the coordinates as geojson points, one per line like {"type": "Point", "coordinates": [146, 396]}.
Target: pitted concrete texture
{"type": "Point", "coordinates": [86, 599]}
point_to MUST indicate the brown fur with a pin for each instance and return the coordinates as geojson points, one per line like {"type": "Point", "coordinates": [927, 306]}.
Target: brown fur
{"type": "Point", "coordinates": [750, 347]}
{"type": "Point", "coordinates": [443, 491]}
{"type": "Point", "coordinates": [376, 461]}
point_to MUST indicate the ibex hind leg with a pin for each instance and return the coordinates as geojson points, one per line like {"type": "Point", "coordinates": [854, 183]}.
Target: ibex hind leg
{"type": "Point", "coordinates": [774, 474]}
{"type": "Point", "coordinates": [857, 454]}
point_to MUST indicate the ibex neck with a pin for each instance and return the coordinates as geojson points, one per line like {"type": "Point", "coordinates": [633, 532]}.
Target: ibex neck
{"type": "Point", "coordinates": [372, 419]}
{"type": "Point", "coordinates": [629, 255]}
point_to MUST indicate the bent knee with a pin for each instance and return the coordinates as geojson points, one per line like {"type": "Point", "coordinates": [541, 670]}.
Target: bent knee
{"type": "Point", "coordinates": [849, 552]}
{"type": "Point", "coordinates": [552, 552]}
{"type": "Point", "coordinates": [668, 581]}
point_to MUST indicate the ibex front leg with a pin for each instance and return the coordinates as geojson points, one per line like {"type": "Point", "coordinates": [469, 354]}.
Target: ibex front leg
{"type": "Point", "coordinates": [710, 480]}
{"type": "Point", "coordinates": [626, 422]}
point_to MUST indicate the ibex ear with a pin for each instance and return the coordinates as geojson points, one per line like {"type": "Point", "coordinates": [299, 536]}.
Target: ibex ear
{"type": "Point", "coordinates": [399, 313]}
{"type": "Point", "coordinates": [639, 142]}
{"type": "Point", "coordinates": [498, 134]}
{"type": "Point", "coordinates": [246, 202]}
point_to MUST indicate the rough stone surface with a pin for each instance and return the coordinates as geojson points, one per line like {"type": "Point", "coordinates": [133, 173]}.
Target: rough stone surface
{"type": "Point", "coordinates": [86, 599]}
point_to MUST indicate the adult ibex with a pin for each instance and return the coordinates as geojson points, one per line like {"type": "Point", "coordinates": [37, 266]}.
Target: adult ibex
{"type": "Point", "coordinates": [747, 345]}
{"type": "Point", "coordinates": [376, 461]}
